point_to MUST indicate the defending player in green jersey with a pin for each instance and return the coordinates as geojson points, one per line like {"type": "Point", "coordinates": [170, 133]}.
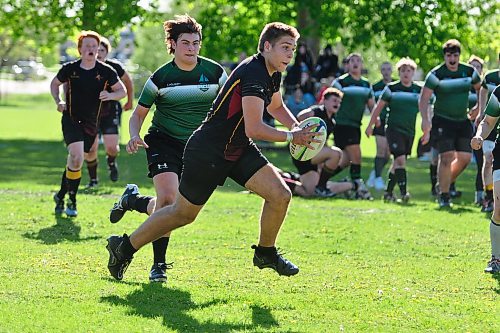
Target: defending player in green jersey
{"type": "Point", "coordinates": [358, 95]}
{"type": "Point", "coordinates": [401, 98]}
{"type": "Point", "coordinates": [183, 91]}
{"type": "Point", "coordinates": [451, 127]}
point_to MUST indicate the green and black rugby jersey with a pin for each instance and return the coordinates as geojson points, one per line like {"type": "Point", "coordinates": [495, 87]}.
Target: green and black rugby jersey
{"type": "Point", "coordinates": [377, 92]}
{"type": "Point", "coordinates": [452, 90]}
{"type": "Point", "coordinates": [182, 98]}
{"type": "Point", "coordinates": [356, 95]}
{"type": "Point", "coordinates": [223, 131]}
{"type": "Point", "coordinates": [493, 106]}
{"type": "Point", "coordinates": [84, 86]}
{"type": "Point", "coordinates": [491, 80]}
{"type": "Point", "coordinates": [108, 107]}
{"type": "Point", "coordinates": [403, 106]}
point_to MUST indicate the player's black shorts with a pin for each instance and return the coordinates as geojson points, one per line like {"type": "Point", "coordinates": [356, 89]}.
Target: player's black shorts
{"type": "Point", "coordinates": [164, 153]}
{"type": "Point", "coordinates": [74, 131]}
{"type": "Point", "coordinates": [496, 155]}
{"type": "Point", "coordinates": [205, 169]}
{"type": "Point", "coordinates": [346, 135]}
{"type": "Point", "coordinates": [449, 135]}
{"type": "Point", "coordinates": [109, 123]}
{"type": "Point", "coordinates": [399, 143]}
{"type": "Point", "coordinates": [304, 167]}
{"type": "Point", "coordinates": [380, 131]}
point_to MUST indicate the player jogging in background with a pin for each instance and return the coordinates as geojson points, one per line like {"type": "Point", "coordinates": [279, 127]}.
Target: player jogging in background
{"type": "Point", "coordinates": [87, 81]}
{"type": "Point", "coordinates": [183, 91]}
{"type": "Point", "coordinates": [490, 81]}
{"type": "Point", "coordinates": [401, 97]}
{"type": "Point", "coordinates": [110, 120]}
{"type": "Point", "coordinates": [451, 127]}
{"type": "Point", "coordinates": [487, 125]}
{"type": "Point", "coordinates": [383, 153]}
{"type": "Point", "coordinates": [358, 95]}
{"type": "Point", "coordinates": [223, 147]}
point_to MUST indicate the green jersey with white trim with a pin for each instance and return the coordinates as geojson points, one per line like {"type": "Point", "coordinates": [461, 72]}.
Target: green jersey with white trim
{"type": "Point", "coordinates": [356, 94]}
{"type": "Point", "coordinates": [403, 106]}
{"type": "Point", "coordinates": [493, 106]}
{"type": "Point", "coordinates": [182, 98]}
{"type": "Point", "coordinates": [452, 90]}
{"type": "Point", "coordinates": [377, 92]}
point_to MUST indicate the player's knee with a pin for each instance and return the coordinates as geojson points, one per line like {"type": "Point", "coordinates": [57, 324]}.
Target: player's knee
{"type": "Point", "coordinates": [76, 160]}
{"type": "Point", "coordinates": [165, 200]}
{"type": "Point", "coordinates": [282, 196]}
{"type": "Point", "coordinates": [112, 150]}
{"type": "Point", "coordinates": [488, 158]}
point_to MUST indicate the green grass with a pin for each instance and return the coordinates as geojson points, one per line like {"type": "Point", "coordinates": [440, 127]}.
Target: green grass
{"type": "Point", "coordinates": [365, 266]}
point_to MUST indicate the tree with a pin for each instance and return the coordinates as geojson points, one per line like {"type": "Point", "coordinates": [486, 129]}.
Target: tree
{"type": "Point", "coordinates": [415, 28]}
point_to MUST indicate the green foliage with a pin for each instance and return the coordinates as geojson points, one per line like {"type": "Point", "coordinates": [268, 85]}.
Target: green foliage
{"type": "Point", "coordinates": [365, 266]}
{"type": "Point", "coordinates": [412, 28]}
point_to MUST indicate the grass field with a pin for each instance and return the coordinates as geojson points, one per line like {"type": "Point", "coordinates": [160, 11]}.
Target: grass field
{"type": "Point", "coordinates": [365, 266]}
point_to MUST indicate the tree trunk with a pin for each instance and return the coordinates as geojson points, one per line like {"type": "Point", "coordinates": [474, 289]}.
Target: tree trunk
{"type": "Point", "coordinates": [308, 26]}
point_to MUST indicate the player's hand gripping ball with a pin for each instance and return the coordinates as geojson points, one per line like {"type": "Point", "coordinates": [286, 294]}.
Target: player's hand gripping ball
{"type": "Point", "coordinates": [303, 153]}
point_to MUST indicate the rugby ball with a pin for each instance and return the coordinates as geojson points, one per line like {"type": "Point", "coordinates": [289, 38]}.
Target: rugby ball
{"type": "Point", "coordinates": [302, 153]}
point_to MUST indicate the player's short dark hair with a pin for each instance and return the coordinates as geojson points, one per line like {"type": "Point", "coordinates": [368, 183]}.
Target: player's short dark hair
{"type": "Point", "coordinates": [106, 44]}
{"type": "Point", "coordinates": [182, 24]}
{"type": "Point", "coordinates": [274, 31]}
{"type": "Point", "coordinates": [88, 33]}
{"type": "Point", "coordinates": [352, 55]}
{"type": "Point", "coordinates": [331, 91]}
{"type": "Point", "coordinates": [451, 46]}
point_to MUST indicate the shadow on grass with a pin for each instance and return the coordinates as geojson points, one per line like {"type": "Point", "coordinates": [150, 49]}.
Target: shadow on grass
{"type": "Point", "coordinates": [65, 229]}
{"type": "Point", "coordinates": [154, 300]}
{"type": "Point", "coordinates": [496, 276]}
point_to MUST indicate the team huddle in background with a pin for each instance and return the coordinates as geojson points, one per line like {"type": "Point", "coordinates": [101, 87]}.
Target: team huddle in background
{"type": "Point", "coordinates": [205, 122]}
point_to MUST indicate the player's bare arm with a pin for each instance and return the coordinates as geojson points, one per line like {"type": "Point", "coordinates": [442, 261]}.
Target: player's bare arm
{"type": "Point", "coordinates": [135, 125]}
{"type": "Point", "coordinates": [476, 109]}
{"type": "Point", "coordinates": [280, 111]}
{"type": "Point", "coordinates": [119, 91]}
{"type": "Point", "coordinates": [256, 129]}
{"type": "Point", "coordinates": [127, 81]}
{"type": "Point", "coordinates": [423, 103]}
{"type": "Point", "coordinates": [374, 120]}
{"type": "Point", "coordinates": [54, 91]}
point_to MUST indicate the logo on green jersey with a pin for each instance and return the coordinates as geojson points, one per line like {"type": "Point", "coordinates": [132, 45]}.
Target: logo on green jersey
{"type": "Point", "coordinates": [203, 83]}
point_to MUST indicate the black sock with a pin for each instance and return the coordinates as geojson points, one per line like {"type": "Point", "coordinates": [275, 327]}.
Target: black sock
{"type": "Point", "coordinates": [380, 162]}
{"type": "Point", "coordinates": [337, 171]}
{"type": "Point", "coordinates": [126, 247]}
{"type": "Point", "coordinates": [489, 195]}
{"type": "Point", "coordinates": [391, 183]}
{"type": "Point", "coordinates": [433, 173]}
{"type": "Point", "coordinates": [92, 168]}
{"type": "Point", "coordinates": [64, 186]}
{"type": "Point", "coordinates": [160, 249]}
{"type": "Point", "coordinates": [265, 251]}
{"type": "Point", "coordinates": [110, 160]}
{"type": "Point", "coordinates": [452, 187]}
{"type": "Point", "coordinates": [138, 203]}
{"type": "Point", "coordinates": [355, 171]}
{"type": "Point", "coordinates": [73, 178]}
{"type": "Point", "coordinates": [325, 175]}
{"type": "Point", "coordinates": [401, 179]}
